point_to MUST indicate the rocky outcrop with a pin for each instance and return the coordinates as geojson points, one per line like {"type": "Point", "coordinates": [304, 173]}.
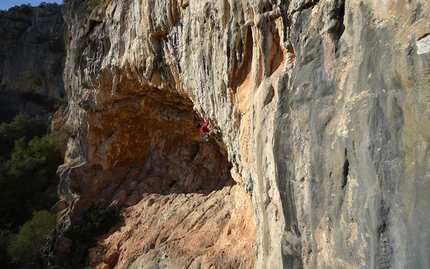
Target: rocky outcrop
{"type": "Point", "coordinates": [32, 55]}
{"type": "Point", "coordinates": [323, 107]}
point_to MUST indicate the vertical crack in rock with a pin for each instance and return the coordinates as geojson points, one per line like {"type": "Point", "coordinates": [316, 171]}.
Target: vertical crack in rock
{"type": "Point", "coordinates": [242, 60]}
{"type": "Point", "coordinates": [291, 241]}
{"type": "Point", "coordinates": [345, 173]}
{"type": "Point", "coordinates": [341, 13]}
{"type": "Point", "coordinates": [385, 254]}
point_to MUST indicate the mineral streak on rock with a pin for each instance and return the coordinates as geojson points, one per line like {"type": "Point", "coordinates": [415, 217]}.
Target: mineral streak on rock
{"type": "Point", "coordinates": [324, 111]}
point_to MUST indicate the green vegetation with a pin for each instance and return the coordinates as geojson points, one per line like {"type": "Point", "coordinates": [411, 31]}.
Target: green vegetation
{"type": "Point", "coordinates": [28, 162]}
{"type": "Point", "coordinates": [14, 21]}
{"type": "Point", "coordinates": [21, 126]}
{"type": "Point", "coordinates": [29, 158]}
{"type": "Point", "coordinates": [27, 245]}
{"type": "Point", "coordinates": [97, 221]}
{"type": "Point", "coordinates": [92, 4]}
{"type": "Point", "coordinates": [62, 102]}
{"type": "Point", "coordinates": [25, 176]}
{"type": "Point", "coordinates": [31, 167]}
{"type": "Point", "coordinates": [5, 259]}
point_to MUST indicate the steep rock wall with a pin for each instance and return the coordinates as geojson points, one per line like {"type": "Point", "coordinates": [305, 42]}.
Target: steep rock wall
{"type": "Point", "coordinates": [32, 55]}
{"type": "Point", "coordinates": [324, 111]}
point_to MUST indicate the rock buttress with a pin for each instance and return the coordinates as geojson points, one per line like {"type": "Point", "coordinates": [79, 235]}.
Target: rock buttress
{"type": "Point", "coordinates": [323, 107]}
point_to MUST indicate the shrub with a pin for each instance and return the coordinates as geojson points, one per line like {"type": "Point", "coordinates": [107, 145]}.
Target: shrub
{"type": "Point", "coordinates": [32, 168]}
{"type": "Point", "coordinates": [62, 102]}
{"type": "Point", "coordinates": [92, 4]}
{"type": "Point", "coordinates": [26, 9]}
{"type": "Point", "coordinates": [25, 177]}
{"type": "Point", "coordinates": [21, 126]}
{"type": "Point", "coordinates": [4, 255]}
{"type": "Point", "coordinates": [28, 244]}
{"type": "Point", "coordinates": [97, 221]}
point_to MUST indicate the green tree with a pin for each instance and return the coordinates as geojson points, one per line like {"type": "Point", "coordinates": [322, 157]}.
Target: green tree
{"type": "Point", "coordinates": [4, 255]}
{"type": "Point", "coordinates": [97, 221]}
{"type": "Point", "coordinates": [28, 244]}
{"type": "Point", "coordinates": [32, 168]}
{"type": "Point", "coordinates": [25, 177]}
{"type": "Point", "coordinates": [21, 126]}
{"type": "Point", "coordinates": [92, 4]}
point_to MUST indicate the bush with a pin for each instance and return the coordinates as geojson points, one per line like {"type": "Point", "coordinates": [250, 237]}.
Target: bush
{"type": "Point", "coordinates": [22, 126]}
{"type": "Point", "coordinates": [4, 255]}
{"type": "Point", "coordinates": [25, 177]}
{"type": "Point", "coordinates": [28, 244]}
{"type": "Point", "coordinates": [62, 102]}
{"type": "Point", "coordinates": [26, 9]}
{"type": "Point", "coordinates": [97, 221]}
{"type": "Point", "coordinates": [34, 166]}
{"type": "Point", "coordinates": [92, 4]}
{"type": "Point", "coordinates": [14, 22]}
{"type": "Point", "coordinates": [28, 163]}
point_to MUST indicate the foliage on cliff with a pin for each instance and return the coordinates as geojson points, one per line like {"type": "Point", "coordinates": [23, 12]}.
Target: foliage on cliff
{"type": "Point", "coordinates": [14, 22]}
{"type": "Point", "coordinates": [27, 245]}
{"type": "Point", "coordinates": [92, 4]}
{"type": "Point", "coordinates": [97, 221]}
{"type": "Point", "coordinates": [28, 161]}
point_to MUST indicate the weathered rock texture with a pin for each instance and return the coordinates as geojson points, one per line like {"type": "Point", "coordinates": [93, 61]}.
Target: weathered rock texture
{"type": "Point", "coordinates": [32, 55]}
{"type": "Point", "coordinates": [324, 108]}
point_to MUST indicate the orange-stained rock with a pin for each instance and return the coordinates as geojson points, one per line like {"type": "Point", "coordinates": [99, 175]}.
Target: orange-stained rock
{"type": "Point", "coordinates": [60, 205]}
{"type": "Point", "coordinates": [190, 230]}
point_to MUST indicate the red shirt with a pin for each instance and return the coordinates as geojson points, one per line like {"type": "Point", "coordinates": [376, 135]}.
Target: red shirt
{"type": "Point", "coordinates": [204, 129]}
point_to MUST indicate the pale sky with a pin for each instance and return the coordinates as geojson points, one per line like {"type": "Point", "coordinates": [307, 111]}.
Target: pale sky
{"type": "Point", "coordinates": [6, 4]}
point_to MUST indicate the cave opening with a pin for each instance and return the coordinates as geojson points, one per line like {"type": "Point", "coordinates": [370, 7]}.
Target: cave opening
{"type": "Point", "coordinates": [180, 204]}
{"type": "Point", "coordinates": [154, 136]}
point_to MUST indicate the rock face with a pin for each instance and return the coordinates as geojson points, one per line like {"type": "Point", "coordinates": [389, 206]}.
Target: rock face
{"type": "Point", "coordinates": [32, 55]}
{"type": "Point", "coordinates": [324, 111]}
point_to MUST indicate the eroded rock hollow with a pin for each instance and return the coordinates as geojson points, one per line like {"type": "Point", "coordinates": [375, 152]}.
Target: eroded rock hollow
{"type": "Point", "coordinates": [323, 107]}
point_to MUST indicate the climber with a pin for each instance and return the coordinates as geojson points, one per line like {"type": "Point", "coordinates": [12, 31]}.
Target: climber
{"type": "Point", "coordinates": [207, 129]}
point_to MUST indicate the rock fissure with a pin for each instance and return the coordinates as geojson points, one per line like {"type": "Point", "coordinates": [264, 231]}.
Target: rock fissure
{"type": "Point", "coordinates": [345, 172]}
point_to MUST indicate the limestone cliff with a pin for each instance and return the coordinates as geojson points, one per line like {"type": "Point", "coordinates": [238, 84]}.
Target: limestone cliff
{"type": "Point", "coordinates": [32, 55]}
{"type": "Point", "coordinates": [325, 118]}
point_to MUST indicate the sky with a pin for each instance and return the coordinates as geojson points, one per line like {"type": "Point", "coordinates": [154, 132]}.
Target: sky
{"type": "Point", "coordinates": [6, 4]}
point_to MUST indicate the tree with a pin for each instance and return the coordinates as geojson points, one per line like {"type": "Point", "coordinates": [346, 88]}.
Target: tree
{"type": "Point", "coordinates": [25, 176]}
{"type": "Point", "coordinates": [4, 256]}
{"type": "Point", "coordinates": [21, 126]}
{"type": "Point", "coordinates": [28, 244]}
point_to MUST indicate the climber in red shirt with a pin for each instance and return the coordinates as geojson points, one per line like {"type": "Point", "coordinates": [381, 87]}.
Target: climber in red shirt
{"type": "Point", "coordinates": [207, 129]}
